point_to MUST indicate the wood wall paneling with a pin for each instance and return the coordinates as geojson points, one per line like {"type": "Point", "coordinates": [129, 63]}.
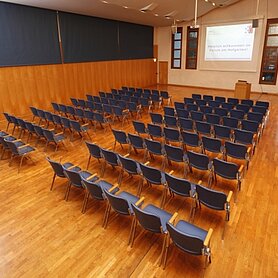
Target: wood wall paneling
{"type": "Point", "coordinates": [21, 87]}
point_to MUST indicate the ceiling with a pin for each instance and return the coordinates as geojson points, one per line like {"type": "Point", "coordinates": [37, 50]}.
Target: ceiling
{"type": "Point", "coordinates": [148, 12]}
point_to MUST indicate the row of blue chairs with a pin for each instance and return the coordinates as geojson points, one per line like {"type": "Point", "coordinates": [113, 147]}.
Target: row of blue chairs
{"type": "Point", "coordinates": [195, 130]}
{"type": "Point", "coordinates": [185, 235]}
{"type": "Point", "coordinates": [16, 146]}
{"type": "Point", "coordinates": [224, 169]}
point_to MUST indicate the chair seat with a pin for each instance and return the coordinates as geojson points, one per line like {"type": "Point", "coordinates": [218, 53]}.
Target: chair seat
{"type": "Point", "coordinates": [105, 185]}
{"type": "Point", "coordinates": [59, 138]}
{"type": "Point", "coordinates": [131, 199]}
{"type": "Point", "coordinates": [192, 230]}
{"type": "Point", "coordinates": [3, 133]}
{"type": "Point", "coordinates": [162, 214]}
{"type": "Point", "coordinates": [25, 150]}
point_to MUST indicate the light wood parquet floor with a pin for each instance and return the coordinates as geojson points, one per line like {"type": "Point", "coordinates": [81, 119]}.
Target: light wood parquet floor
{"type": "Point", "coordinates": [41, 235]}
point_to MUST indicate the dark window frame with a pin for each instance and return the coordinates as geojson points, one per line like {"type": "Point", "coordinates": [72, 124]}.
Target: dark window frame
{"type": "Point", "coordinates": [190, 49]}
{"type": "Point", "coordinates": [173, 49]}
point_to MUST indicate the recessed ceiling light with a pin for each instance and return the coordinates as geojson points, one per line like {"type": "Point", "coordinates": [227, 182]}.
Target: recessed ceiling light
{"type": "Point", "coordinates": [105, 2]}
{"type": "Point", "coordinates": [213, 4]}
{"type": "Point", "coordinates": [167, 17]}
{"type": "Point", "coordinates": [126, 7]}
{"type": "Point", "coordinates": [155, 14]}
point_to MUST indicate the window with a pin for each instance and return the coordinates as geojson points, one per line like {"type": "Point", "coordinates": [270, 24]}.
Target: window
{"type": "Point", "coordinates": [270, 54]}
{"type": "Point", "coordinates": [192, 48]}
{"type": "Point", "coordinates": [176, 49]}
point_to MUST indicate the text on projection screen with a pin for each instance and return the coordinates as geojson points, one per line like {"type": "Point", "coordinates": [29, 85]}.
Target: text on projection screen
{"type": "Point", "coordinates": [229, 43]}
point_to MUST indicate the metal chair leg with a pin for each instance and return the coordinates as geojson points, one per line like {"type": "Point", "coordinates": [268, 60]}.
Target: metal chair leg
{"type": "Point", "coordinates": [51, 187]}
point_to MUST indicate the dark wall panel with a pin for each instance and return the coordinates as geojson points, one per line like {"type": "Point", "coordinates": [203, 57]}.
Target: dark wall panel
{"type": "Point", "coordinates": [28, 36]}
{"type": "Point", "coordinates": [88, 38]}
{"type": "Point", "coordinates": [136, 41]}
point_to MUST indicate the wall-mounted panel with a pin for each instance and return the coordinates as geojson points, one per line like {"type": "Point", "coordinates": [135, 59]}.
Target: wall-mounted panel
{"type": "Point", "coordinates": [28, 36]}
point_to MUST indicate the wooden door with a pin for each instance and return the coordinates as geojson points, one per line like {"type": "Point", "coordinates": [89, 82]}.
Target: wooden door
{"type": "Point", "coordinates": [163, 72]}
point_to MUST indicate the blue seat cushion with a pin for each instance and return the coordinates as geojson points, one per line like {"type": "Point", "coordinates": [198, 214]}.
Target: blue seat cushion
{"type": "Point", "coordinates": [131, 199]}
{"type": "Point", "coordinates": [162, 214]}
{"type": "Point", "coordinates": [192, 230]}
{"type": "Point", "coordinates": [85, 175]}
{"type": "Point", "coordinates": [25, 150]}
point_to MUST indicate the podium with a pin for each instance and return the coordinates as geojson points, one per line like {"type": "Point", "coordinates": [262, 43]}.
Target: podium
{"type": "Point", "coordinates": [242, 90]}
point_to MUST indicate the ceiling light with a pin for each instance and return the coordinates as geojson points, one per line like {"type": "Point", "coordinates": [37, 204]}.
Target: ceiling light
{"type": "Point", "coordinates": [213, 4]}
{"type": "Point", "coordinates": [105, 2]}
{"type": "Point", "coordinates": [126, 7]}
{"type": "Point", "coordinates": [155, 14]}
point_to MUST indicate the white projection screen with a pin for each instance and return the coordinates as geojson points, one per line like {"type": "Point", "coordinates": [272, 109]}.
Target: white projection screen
{"type": "Point", "coordinates": [229, 42]}
{"type": "Point", "coordinates": [230, 47]}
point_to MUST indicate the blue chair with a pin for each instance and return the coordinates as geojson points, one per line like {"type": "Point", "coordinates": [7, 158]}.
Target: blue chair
{"type": "Point", "coordinates": [262, 103]}
{"type": "Point", "coordinates": [30, 129]}
{"type": "Point", "coordinates": [80, 129]}
{"type": "Point", "coordinates": [252, 126]}
{"type": "Point", "coordinates": [63, 109]}
{"type": "Point", "coordinates": [34, 112]}
{"type": "Point", "coordinates": [190, 139]}
{"type": "Point", "coordinates": [196, 116]}
{"type": "Point", "coordinates": [151, 176]}
{"type": "Point", "coordinates": [176, 154]}
{"type": "Point", "coordinates": [196, 96]}
{"type": "Point", "coordinates": [5, 146]}
{"type": "Point", "coordinates": [170, 121]}
{"type": "Point", "coordinates": [66, 124]}
{"type": "Point", "coordinates": [237, 114]}
{"type": "Point", "coordinates": [120, 113]}
{"type": "Point", "coordinates": [22, 126]}
{"type": "Point", "coordinates": [52, 137]}
{"type": "Point", "coordinates": [110, 158]}
{"type": "Point", "coordinates": [192, 107]}
{"type": "Point", "coordinates": [156, 118]}
{"type": "Point", "coordinates": [58, 169]}
{"type": "Point", "coordinates": [74, 179]}
{"type": "Point", "coordinates": [212, 199]}
{"type": "Point", "coordinates": [71, 111]}
{"type": "Point", "coordinates": [128, 165]}
{"type": "Point", "coordinates": [188, 100]}
{"type": "Point", "coordinates": [214, 104]}
{"type": "Point", "coordinates": [102, 120]}
{"type": "Point", "coordinates": [207, 97]}
{"type": "Point", "coordinates": [8, 118]}
{"type": "Point", "coordinates": [152, 219]}
{"type": "Point", "coordinates": [222, 112]}
{"type": "Point", "coordinates": [89, 97]}
{"type": "Point", "coordinates": [136, 142]}
{"type": "Point", "coordinates": [200, 162]}
{"type": "Point", "coordinates": [155, 131]}
{"type": "Point", "coordinates": [41, 114]}
{"type": "Point", "coordinates": [15, 123]}
{"type": "Point", "coordinates": [189, 238]}
{"type": "Point", "coordinates": [172, 135]}
{"type": "Point", "coordinates": [243, 107]}
{"type": "Point", "coordinates": [166, 97]}
{"type": "Point", "coordinates": [121, 202]}
{"type": "Point", "coordinates": [186, 124]}
{"type": "Point", "coordinates": [237, 151]}
{"type": "Point", "coordinates": [39, 132]}
{"type": "Point", "coordinates": [227, 170]}
{"type": "Point", "coordinates": [120, 137]}
{"type": "Point", "coordinates": [82, 103]}
{"type": "Point", "coordinates": [248, 102]}
{"type": "Point", "coordinates": [257, 117]}
{"type": "Point", "coordinates": [179, 105]}
{"type": "Point", "coordinates": [49, 118]}
{"type": "Point", "coordinates": [57, 120]}
{"type": "Point", "coordinates": [79, 113]}
{"type": "Point", "coordinates": [182, 113]}
{"type": "Point", "coordinates": [74, 102]}
{"type": "Point", "coordinates": [213, 145]}
{"type": "Point", "coordinates": [203, 128]}
{"type": "Point", "coordinates": [234, 101]}
{"type": "Point", "coordinates": [178, 186]}
{"type": "Point", "coordinates": [170, 111]}
{"type": "Point", "coordinates": [228, 105]}
{"type": "Point", "coordinates": [213, 119]}
{"type": "Point", "coordinates": [206, 109]}
{"type": "Point", "coordinates": [200, 102]}
{"type": "Point", "coordinates": [134, 110]}
{"type": "Point", "coordinates": [145, 103]}
{"type": "Point", "coordinates": [246, 138]}
{"type": "Point", "coordinates": [220, 99]}
{"type": "Point", "coordinates": [230, 122]}
{"type": "Point", "coordinates": [89, 116]}
{"type": "Point", "coordinates": [139, 127]}
{"type": "Point", "coordinates": [156, 100]}
{"type": "Point", "coordinates": [222, 132]}
{"type": "Point", "coordinates": [94, 151]}
{"type": "Point", "coordinates": [21, 151]}
{"type": "Point", "coordinates": [56, 107]}
{"type": "Point", "coordinates": [155, 148]}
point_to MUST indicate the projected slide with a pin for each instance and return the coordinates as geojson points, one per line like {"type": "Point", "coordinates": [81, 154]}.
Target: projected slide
{"type": "Point", "coordinates": [229, 42]}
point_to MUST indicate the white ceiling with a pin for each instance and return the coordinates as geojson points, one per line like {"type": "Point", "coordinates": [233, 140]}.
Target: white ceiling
{"type": "Point", "coordinates": [130, 10]}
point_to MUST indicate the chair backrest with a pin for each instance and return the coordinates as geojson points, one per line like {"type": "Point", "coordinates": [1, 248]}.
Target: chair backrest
{"type": "Point", "coordinates": [170, 111]}
{"type": "Point", "coordinates": [148, 221]}
{"type": "Point", "coordinates": [221, 111]}
{"type": "Point", "coordinates": [248, 125]}
{"type": "Point", "coordinates": [151, 174]}
{"type": "Point", "coordinates": [192, 107]}
{"type": "Point", "coordinates": [139, 127]}
{"type": "Point", "coordinates": [228, 105]}
{"type": "Point", "coordinates": [225, 169]}
{"type": "Point", "coordinates": [220, 99]}
{"type": "Point", "coordinates": [119, 204]}
{"type": "Point", "coordinates": [94, 189]}
{"type": "Point", "coordinates": [237, 114]}
{"type": "Point", "coordinates": [129, 165]}
{"type": "Point", "coordinates": [223, 132]}
{"type": "Point", "coordinates": [154, 147]}
{"type": "Point", "coordinates": [170, 121]}
{"type": "Point", "coordinates": [57, 119]}
{"type": "Point", "coordinates": [211, 198]}
{"type": "Point", "coordinates": [203, 127]}
{"type": "Point", "coordinates": [7, 116]}
{"type": "Point", "coordinates": [177, 185]}
{"type": "Point", "coordinates": [48, 134]}
{"type": "Point", "coordinates": [12, 146]}
{"type": "Point", "coordinates": [179, 105]}
{"type": "Point", "coordinates": [243, 107]}
{"type": "Point", "coordinates": [34, 110]}
{"type": "Point", "coordinates": [136, 141]}
{"type": "Point", "coordinates": [213, 118]}
{"type": "Point", "coordinates": [230, 122]}
{"type": "Point", "coordinates": [200, 102]}
{"type": "Point", "coordinates": [174, 153]}
{"type": "Point", "coordinates": [94, 149]}
{"type": "Point", "coordinates": [214, 103]}
{"type": "Point", "coordinates": [57, 167]}
{"type": "Point", "coordinates": [186, 124]}
{"type": "Point", "coordinates": [171, 134]}
{"type": "Point", "coordinates": [243, 136]}
{"type": "Point", "coordinates": [262, 103]}
{"type": "Point", "coordinates": [196, 96]}
{"type": "Point", "coordinates": [65, 122]}
{"type": "Point", "coordinates": [73, 176]}
{"type": "Point", "coordinates": [190, 138]}
{"type": "Point", "coordinates": [235, 150]}
{"type": "Point", "coordinates": [254, 116]}
{"type": "Point", "coordinates": [156, 118]}
{"type": "Point", "coordinates": [207, 97]}
{"type": "Point", "coordinates": [21, 123]}
{"type": "Point", "coordinates": [197, 160]}
{"type": "Point", "coordinates": [186, 242]}
{"type": "Point", "coordinates": [38, 130]}
{"type": "Point", "coordinates": [248, 102]}
{"type": "Point", "coordinates": [196, 115]}
{"type": "Point", "coordinates": [212, 144]}
{"type": "Point", "coordinates": [110, 157]}
{"type": "Point", "coordinates": [206, 109]}
{"type": "Point", "coordinates": [120, 136]}
{"type": "Point", "coordinates": [75, 125]}
{"type": "Point", "coordinates": [233, 100]}
{"type": "Point", "coordinates": [182, 113]}
{"type": "Point", "coordinates": [155, 130]}
{"type": "Point", "coordinates": [188, 100]}
{"type": "Point", "coordinates": [259, 109]}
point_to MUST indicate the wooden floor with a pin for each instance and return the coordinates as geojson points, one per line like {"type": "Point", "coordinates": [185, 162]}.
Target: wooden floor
{"type": "Point", "coordinates": [41, 235]}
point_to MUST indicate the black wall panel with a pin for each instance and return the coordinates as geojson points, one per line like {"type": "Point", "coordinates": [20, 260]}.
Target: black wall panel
{"type": "Point", "coordinates": [28, 36]}
{"type": "Point", "coordinates": [88, 38]}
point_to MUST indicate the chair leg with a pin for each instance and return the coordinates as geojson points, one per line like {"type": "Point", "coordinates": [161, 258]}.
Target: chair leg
{"type": "Point", "coordinates": [20, 163]}
{"type": "Point", "coordinates": [67, 191]}
{"type": "Point", "coordinates": [85, 201]}
{"type": "Point", "coordinates": [131, 229]}
{"type": "Point", "coordinates": [12, 156]}
{"type": "Point", "coordinates": [133, 234]}
{"type": "Point", "coordinates": [7, 126]}
{"type": "Point", "coordinates": [107, 216]}
{"type": "Point", "coordinates": [88, 162]}
{"type": "Point", "coordinates": [140, 185]}
{"type": "Point", "coordinates": [166, 251]}
{"type": "Point", "coordinates": [51, 187]}
{"type": "Point", "coordinates": [163, 249]}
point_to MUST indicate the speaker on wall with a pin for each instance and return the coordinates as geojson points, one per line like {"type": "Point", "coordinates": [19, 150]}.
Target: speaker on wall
{"type": "Point", "coordinates": [255, 23]}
